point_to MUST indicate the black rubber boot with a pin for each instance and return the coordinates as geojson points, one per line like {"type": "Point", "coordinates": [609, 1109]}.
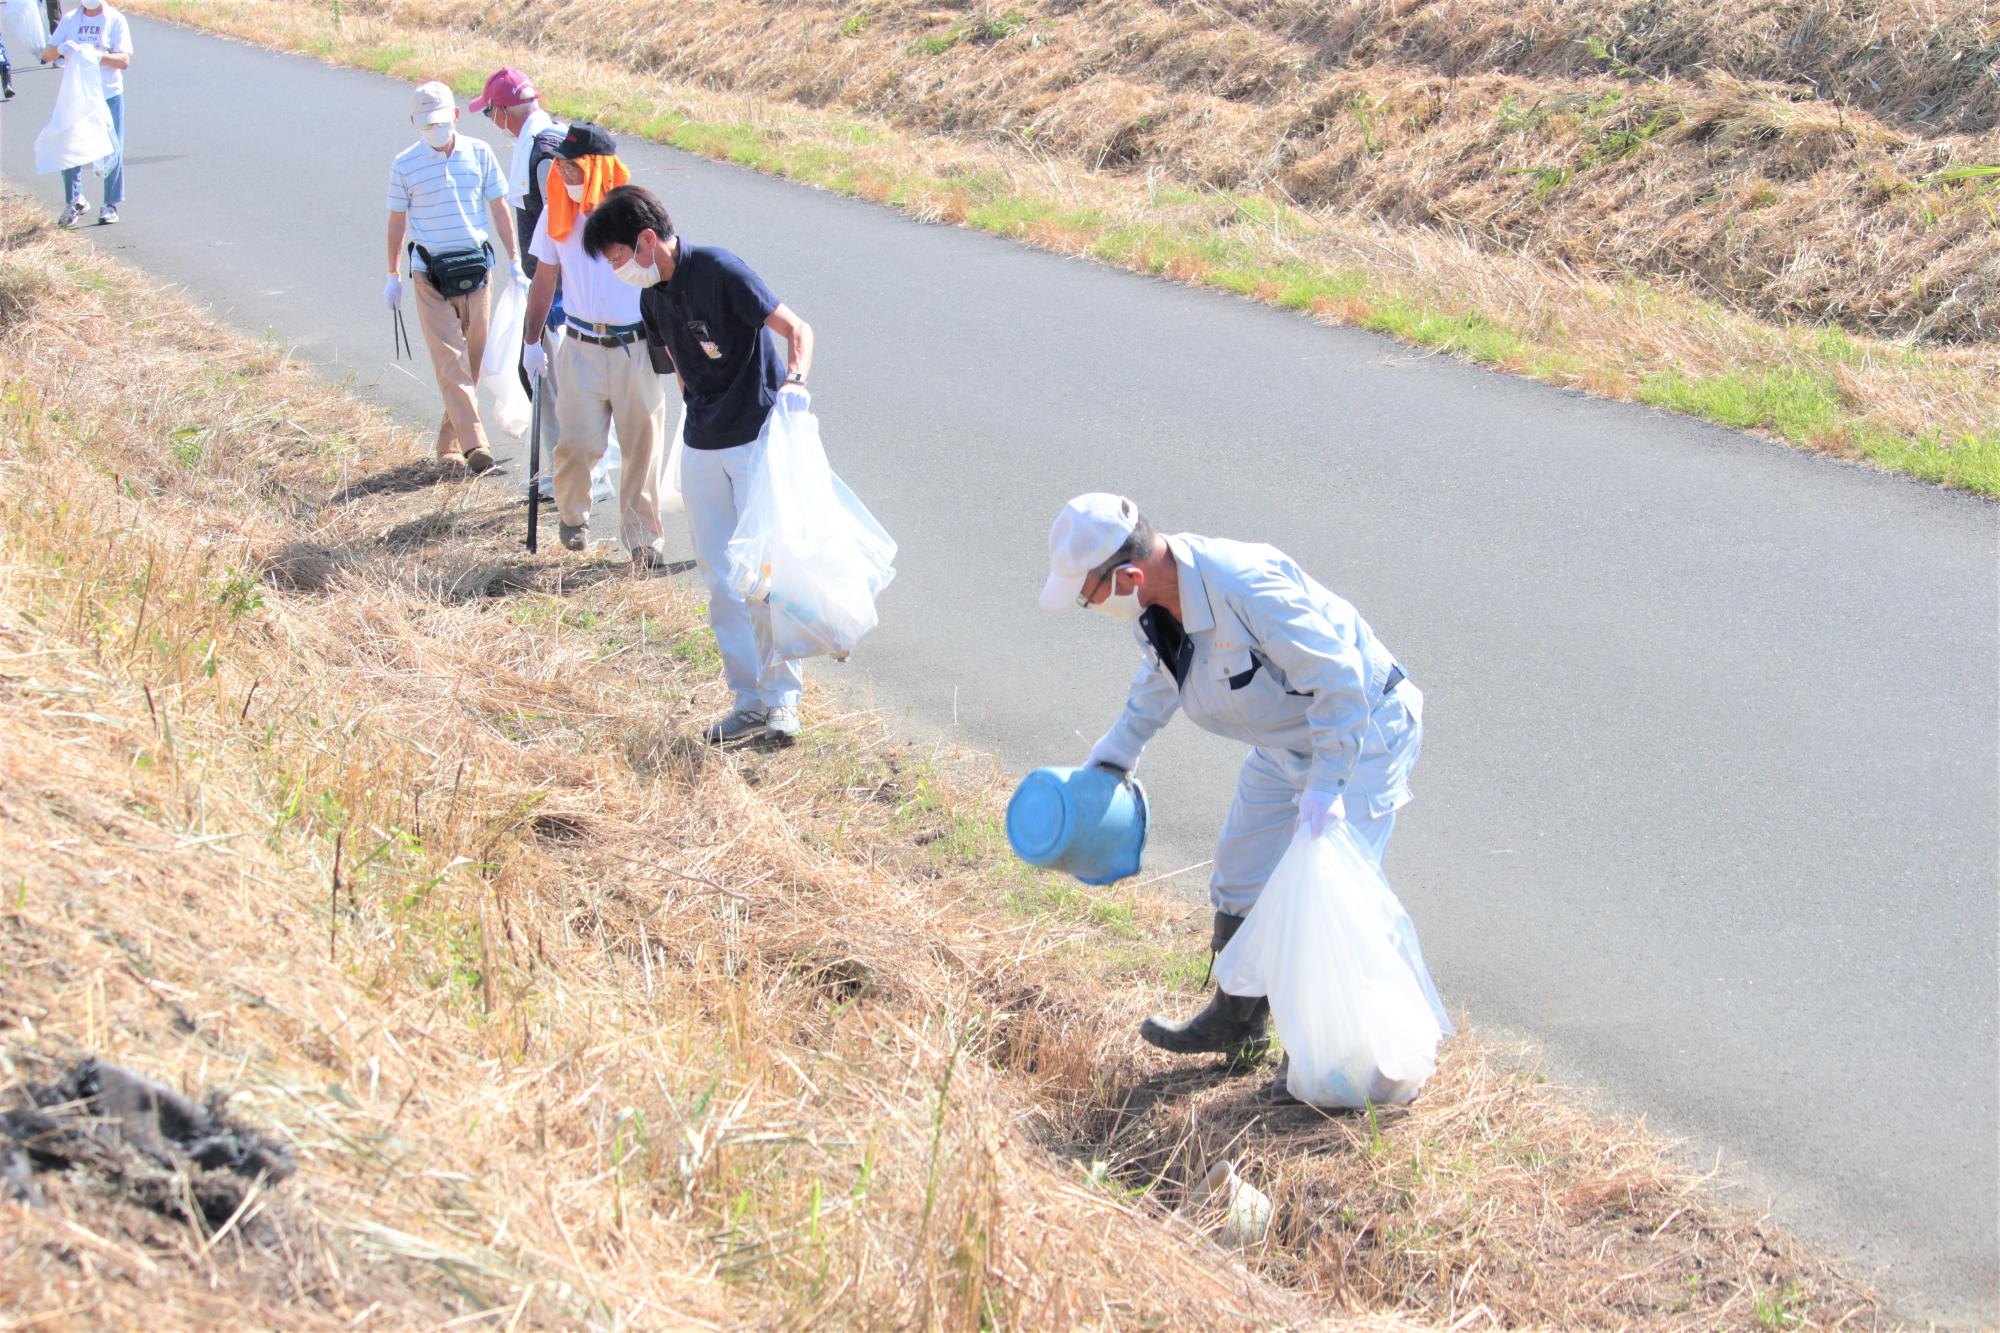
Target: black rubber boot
{"type": "Point", "coordinates": [1280, 1091]}
{"type": "Point", "coordinates": [1233, 1025]}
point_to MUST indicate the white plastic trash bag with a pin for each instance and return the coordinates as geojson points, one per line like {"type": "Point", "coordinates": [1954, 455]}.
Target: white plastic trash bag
{"type": "Point", "coordinates": [25, 29]}
{"type": "Point", "coordinates": [1331, 945]}
{"type": "Point", "coordinates": [79, 131]}
{"type": "Point", "coordinates": [504, 408]}
{"type": "Point", "coordinates": [807, 546]}
{"type": "Point", "coordinates": [671, 500]}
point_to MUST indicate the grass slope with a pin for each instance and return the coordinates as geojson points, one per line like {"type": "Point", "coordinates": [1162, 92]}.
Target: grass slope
{"type": "Point", "coordinates": [319, 794]}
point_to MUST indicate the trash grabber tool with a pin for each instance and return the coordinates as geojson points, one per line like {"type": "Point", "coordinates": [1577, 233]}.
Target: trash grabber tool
{"type": "Point", "coordinates": [400, 332]}
{"type": "Point", "coordinates": [535, 464]}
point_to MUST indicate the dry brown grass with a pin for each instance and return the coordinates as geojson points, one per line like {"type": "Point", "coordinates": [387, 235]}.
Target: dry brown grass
{"type": "Point", "coordinates": [317, 793]}
{"type": "Point", "coordinates": [1692, 149]}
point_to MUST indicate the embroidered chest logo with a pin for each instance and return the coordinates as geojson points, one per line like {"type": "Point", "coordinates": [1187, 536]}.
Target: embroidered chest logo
{"type": "Point", "coordinates": [699, 330]}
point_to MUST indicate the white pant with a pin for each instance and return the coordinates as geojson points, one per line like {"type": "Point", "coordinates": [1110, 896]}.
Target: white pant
{"type": "Point", "coordinates": [714, 483]}
{"type": "Point", "coordinates": [1266, 809]}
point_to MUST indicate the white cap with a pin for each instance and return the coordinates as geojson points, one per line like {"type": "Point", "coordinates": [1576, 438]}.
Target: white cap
{"type": "Point", "coordinates": [433, 105]}
{"type": "Point", "coordinates": [1088, 531]}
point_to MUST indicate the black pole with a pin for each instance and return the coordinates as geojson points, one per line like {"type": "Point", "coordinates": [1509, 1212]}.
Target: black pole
{"type": "Point", "coordinates": [535, 465]}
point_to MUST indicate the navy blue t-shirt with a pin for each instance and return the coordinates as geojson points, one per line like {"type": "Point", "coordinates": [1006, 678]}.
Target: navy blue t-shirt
{"type": "Point", "coordinates": [709, 317]}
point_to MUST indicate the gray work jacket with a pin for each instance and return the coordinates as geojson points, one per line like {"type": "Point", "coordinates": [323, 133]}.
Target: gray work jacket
{"type": "Point", "coordinates": [1278, 662]}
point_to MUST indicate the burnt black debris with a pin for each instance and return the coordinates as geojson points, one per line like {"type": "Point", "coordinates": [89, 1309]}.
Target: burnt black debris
{"type": "Point", "coordinates": [138, 1137]}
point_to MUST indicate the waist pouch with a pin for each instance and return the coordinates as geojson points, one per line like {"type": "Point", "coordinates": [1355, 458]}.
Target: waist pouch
{"type": "Point", "coordinates": [456, 272]}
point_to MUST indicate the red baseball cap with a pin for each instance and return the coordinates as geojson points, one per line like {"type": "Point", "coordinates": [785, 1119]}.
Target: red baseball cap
{"type": "Point", "coordinates": [507, 87]}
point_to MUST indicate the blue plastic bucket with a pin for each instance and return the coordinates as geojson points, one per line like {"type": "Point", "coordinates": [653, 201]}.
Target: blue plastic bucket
{"type": "Point", "coordinates": [1087, 822]}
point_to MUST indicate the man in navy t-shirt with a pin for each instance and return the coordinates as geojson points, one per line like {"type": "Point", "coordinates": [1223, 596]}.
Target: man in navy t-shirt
{"type": "Point", "coordinates": [715, 325]}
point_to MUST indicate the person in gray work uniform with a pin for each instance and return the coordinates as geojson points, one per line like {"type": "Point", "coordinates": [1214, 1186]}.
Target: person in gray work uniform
{"type": "Point", "coordinates": [1244, 642]}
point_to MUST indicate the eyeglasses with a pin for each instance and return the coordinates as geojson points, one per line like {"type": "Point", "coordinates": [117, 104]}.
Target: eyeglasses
{"type": "Point", "coordinates": [1090, 586]}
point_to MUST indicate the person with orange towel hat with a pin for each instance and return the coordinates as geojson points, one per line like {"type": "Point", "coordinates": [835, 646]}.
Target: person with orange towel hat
{"type": "Point", "coordinates": [606, 374]}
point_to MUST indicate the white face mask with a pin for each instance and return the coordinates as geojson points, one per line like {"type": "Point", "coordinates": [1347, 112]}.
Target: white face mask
{"type": "Point", "coordinates": [1119, 606]}
{"type": "Point", "coordinates": [438, 136]}
{"type": "Point", "coordinates": [634, 274]}
{"type": "Point", "coordinates": [575, 189]}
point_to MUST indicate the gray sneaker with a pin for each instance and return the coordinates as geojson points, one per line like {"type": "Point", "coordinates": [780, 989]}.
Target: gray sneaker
{"type": "Point", "coordinates": [782, 724]}
{"type": "Point", "coordinates": [72, 215]}
{"type": "Point", "coordinates": [572, 534]}
{"type": "Point", "coordinates": [743, 722]}
{"type": "Point", "coordinates": [107, 216]}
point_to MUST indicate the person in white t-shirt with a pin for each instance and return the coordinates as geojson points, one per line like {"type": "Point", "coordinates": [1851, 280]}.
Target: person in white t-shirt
{"type": "Point", "coordinates": [606, 372]}
{"type": "Point", "coordinates": [96, 31]}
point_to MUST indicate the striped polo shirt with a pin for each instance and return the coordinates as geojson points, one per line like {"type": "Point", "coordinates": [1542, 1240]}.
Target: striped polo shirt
{"type": "Point", "coordinates": [445, 194]}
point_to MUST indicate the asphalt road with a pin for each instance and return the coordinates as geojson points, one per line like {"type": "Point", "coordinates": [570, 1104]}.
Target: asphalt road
{"type": "Point", "coordinates": [1708, 796]}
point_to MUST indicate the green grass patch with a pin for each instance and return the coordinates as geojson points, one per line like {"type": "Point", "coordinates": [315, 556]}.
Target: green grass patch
{"type": "Point", "coordinates": [1802, 407]}
{"type": "Point", "coordinates": [1969, 462]}
{"type": "Point", "coordinates": [1808, 409]}
{"type": "Point", "coordinates": [386, 59]}
{"type": "Point", "coordinates": [936, 44]}
{"type": "Point", "coordinates": [1471, 336]}
{"type": "Point", "coordinates": [1064, 899]}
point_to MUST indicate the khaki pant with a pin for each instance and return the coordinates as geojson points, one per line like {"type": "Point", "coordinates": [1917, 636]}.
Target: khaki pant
{"type": "Point", "coordinates": [601, 385]}
{"type": "Point", "coordinates": [455, 332]}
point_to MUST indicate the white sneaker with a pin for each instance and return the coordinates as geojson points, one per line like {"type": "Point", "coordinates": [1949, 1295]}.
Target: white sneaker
{"type": "Point", "coordinates": [743, 722]}
{"type": "Point", "coordinates": [782, 724]}
{"type": "Point", "coordinates": [71, 215]}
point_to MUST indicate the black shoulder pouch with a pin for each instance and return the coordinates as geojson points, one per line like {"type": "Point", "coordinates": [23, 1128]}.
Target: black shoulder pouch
{"type": "Point", "coordinates": [456, 272]}
{"type": "Point", "coordinates": [662, 363]}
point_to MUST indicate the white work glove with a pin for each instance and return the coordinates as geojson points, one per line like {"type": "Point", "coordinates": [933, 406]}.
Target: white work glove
{"type": "Point", "coordinates": [520, 274]}
{"type": "Point", "coordinates": [1320, 811]}
{"type": "Point", "coordinates": [795, 397]}
{"type": "Point", "coordinates": [78, 51]}
{"type": "Point", "coordinates": [392, 292]}
{"type": "Point", "coordinates": [534, 360]}
{"type": "Point", "coordinates": [1102, 755]}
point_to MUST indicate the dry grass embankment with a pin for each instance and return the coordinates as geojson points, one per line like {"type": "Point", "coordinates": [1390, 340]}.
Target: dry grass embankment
{"type": "Point", "coordinates": [318, 793]}
{"type": "Point", "coordinates": [1644, 201]}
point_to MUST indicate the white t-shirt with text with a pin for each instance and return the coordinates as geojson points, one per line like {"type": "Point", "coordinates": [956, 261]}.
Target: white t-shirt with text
{"type": "Point", "coordinates": [106, 30]}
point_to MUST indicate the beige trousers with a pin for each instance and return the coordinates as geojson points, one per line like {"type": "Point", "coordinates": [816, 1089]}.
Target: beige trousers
{"type": "Point", "coordinates": [602, 385]}
{"type": "Point", "coordinates": [455, 332]}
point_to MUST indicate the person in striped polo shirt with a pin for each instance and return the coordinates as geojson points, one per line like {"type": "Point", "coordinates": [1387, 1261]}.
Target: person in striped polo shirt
{"type": "Point", "coordinates": [437, 187]}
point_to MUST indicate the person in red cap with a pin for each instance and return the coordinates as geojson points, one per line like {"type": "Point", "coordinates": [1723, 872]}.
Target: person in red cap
{"type": "Point", "coordinates": [509, 100]}
{"type": "Point", "coordinates": [511, 103]}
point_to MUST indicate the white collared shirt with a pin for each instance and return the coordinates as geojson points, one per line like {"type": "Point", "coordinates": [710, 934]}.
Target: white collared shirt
{"type": "Point", "coordinates": [445, 194]}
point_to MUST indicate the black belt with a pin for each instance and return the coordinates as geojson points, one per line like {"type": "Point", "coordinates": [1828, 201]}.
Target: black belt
{"type": "Point", "coordinates": [605, 335]}
{"type": "Point", "coordinates": [1396, 677]}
